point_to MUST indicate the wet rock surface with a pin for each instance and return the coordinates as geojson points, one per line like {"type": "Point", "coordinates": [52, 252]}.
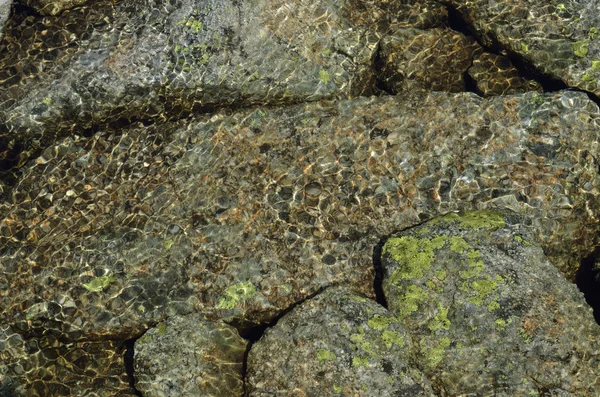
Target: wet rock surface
{"type": "Point", "coordinates": [220, 161]}
{"type": "Point", "coordinates": [189, 356]}
{"type": "Point", "coordinates": [488, 313]}
{"type": "Point", "coordinates": [560, 39]}
{"type": "Point", "coordinates": [338, 343]}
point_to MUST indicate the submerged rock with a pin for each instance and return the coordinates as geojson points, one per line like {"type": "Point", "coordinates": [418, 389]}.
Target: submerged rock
{"type": "Point", "coordinates": [241, 215]}
{"type": "Point", "coordinates": [53, 7]}
{"type": "Point", "coordinates": [189, 356]}
{"type": "Point", "coordinates": [491, 314]}
{"type": "Point", "coordinates": [46, 366]}
{"type": "Point", "coordinates": [338, 343]}
{"type": "Point", "coordinates": [117, 62]}
{"type": "Point", "coordinates": [560, 39]}
{"type": "Point", "coordinates": [496, 75]}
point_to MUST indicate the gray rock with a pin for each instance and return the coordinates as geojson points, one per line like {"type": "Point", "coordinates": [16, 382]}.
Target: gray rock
{"type": "Point", "coordinates": [338, 343]}
{"type": "Point", "coordinates": [243, 214]}
{"type": "Point", "coordinates": [189, 356]}
{"type": "Point", "coordinates": [560, 39]}
{"type": "Point", "coordinates": [4, 14]}
{"type": "Point", "coordinates": [491, 314]}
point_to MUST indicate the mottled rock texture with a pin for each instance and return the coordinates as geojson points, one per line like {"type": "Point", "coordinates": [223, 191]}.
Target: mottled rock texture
{"type": "Point", "coordinates": [4, 14]}
{"type": "Point", "coordinates": [242, 215]}
{"type": "Point", "coordinates": [189, 356]}
{"type": "Point", "coordinates": [47, 366]}
{"type": "Point", "coordinates": [559, 38]}
{"type": "Point", "coordinates": [53, 7]}
{"type": "Point", "coordinates": [338, 343]}
{"type": "Point", "coordinates": [496, 75]}
{"type": "Point", "coordinates": [488, 313]}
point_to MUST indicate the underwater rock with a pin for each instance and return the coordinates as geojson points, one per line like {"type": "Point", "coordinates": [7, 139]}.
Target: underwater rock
{"type": "Point", "coordinates": [490, 312]}
{"type": "Point", "coordinates": [496, 75]}
{"type": "Point", "coordinates": [46, 366]}
{"type": "Point", "coordinates": [560, 39]}
{"type": "Point", "coordinates": [240, 215]}
{"type": "Point", "coordinates": [337, 343]}
{"type": "Point", "coordinates": [189, 356]}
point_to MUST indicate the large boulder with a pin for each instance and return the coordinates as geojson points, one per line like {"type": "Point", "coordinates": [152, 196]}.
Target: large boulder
{"type": "Point", "coordinates": [491, 314]}
{"type": "Point", "coordinates": [337, 343]}
{"type": "Point", "coordinates": [189, 356]}
{"type": "Point", "coordinates": [243, 214]}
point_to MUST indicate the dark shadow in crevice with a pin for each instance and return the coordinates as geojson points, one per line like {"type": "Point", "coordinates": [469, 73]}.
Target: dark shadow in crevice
{"type": "Point", "coordinates": [254, 333]}
{"type": "Point", "coordinates": [588, 281]}
{"type": "Point", "coordinates": [380, 88]}
{"type": "Point", "coordinates": [526, 70]}
{"type": "Point", "coordinates": [129, 368]}
{"type": "Point", "coordinates": [378, 281]}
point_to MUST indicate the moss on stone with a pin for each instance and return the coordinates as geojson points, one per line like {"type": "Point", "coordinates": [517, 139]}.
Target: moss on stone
{"type": "Point", "coordinates": [161, 328]}
{"type": "Point", "coordinates": [596, 65]}
{"type": "Point", "coordinates": [98, 284]}
{"type": "Point", "coordinates": [236, 294]}
{"type": "Point", "coordinates": [458, 244]}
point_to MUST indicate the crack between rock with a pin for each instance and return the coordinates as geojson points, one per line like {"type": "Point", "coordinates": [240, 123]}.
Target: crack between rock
{"type": "Point", "coordinates": [129, 364]}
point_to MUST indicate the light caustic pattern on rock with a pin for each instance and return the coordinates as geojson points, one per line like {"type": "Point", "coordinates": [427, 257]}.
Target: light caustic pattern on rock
{"type": "Point", "coordinates": [242, 215]}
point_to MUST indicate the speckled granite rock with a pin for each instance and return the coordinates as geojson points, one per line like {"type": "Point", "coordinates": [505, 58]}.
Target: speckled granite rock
{"type": "Point", "coordinates": [241, 215]}
{"type": "Point", "coordinates": [491, 315]}
{"type": "Point", "coordinates": [45, 366]}
{"type": "Point", "coordinates": [189, 356]}
{"type": "Point", "coordinates": [338, 343]}
{"type": "Point", "coordinates": [559, 38]}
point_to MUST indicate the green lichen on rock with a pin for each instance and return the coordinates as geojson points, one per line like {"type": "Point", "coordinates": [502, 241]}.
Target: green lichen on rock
{"type": "Point", "coordinates": [161, 328]}
{"type": "Point", "coordinates": [410, 301]}
{"type": "Point", "coordinates": [98, 284]}
{"type": "Point", "coordinates": [580, 48]}
{"type": "Point", "coordinates": [596, 65]}
{"type": "Point", "coordinates": [360, 361]}
{"type": "Point", "coordinates": [236, 294]}
{"type": "Point", "coordinates": [434, 350]}
{"type": "Point", "coordinates": [392, 338]}
{"type": "Point", "coordinates": [484, 219]}
{"type": "Point", "coordinates": [324, 76]}
{"type": "Point", "coordinates": [440, 321]}
{"type": "Point", "coordinates": [324, 355]}
{"type": "Point", "coordinates": [413, 254]}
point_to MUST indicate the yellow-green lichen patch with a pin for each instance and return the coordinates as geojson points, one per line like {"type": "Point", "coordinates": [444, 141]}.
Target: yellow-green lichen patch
{"type": "Point", "coordinates": [500, 324]}
{"type": "Point", "coordinates": [484, 219]}
{"type": "Point", "coordinates": [441, 274]}
{"type": "Point", "coordinates": [475, 264]}
{"type": "Point", "coordinates": [435, 352]}
{"type": "Point", "coordinates": [236, 294]}
{"type": "Point", "coordinates": [592, 33]}
{"type": "Point", "coordinates": [392, 338]}
{"type": "Point", "coordinates": [414, 255]}
{"type": "Point", "coordinates": [480, 290]}
{"type": "Point", "coordinates": [580, 48]}
{"type": "Point", "coordinates": [440, 321]}
{"type": "Point", "coordinates": [360, 361]}
{"type": "Point", "coordinates": [98, 284]}
{"type": "Point", "coordinates": [324, 355]}
{"type": "Point", "coordinates": [596, 65]}
{"type": "Point", "coordinates": [409, 303]}
{"type": "Point", "coordinates": [161, 328]}
{"type": "Point", "coordinates": [524, 46]}
{"type": "Point", "coordinates": [191, 24]}
{"type": "Point", "coordinates": [324, 76]}
{"type": "Point", "coordinates": [458, 244]}
{"type": "Point", "coordinates": [337, 389]}
{"type": "Point", "coordinates": [379, 322]}
{"type": "Point", "coordinates": [587, 77]}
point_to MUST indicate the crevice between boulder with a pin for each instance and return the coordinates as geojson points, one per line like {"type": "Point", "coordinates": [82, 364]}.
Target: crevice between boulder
{"type": "Point", "coordinates": [588, 281]}
{"type": "Point", "coordinates": [129, 365]}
